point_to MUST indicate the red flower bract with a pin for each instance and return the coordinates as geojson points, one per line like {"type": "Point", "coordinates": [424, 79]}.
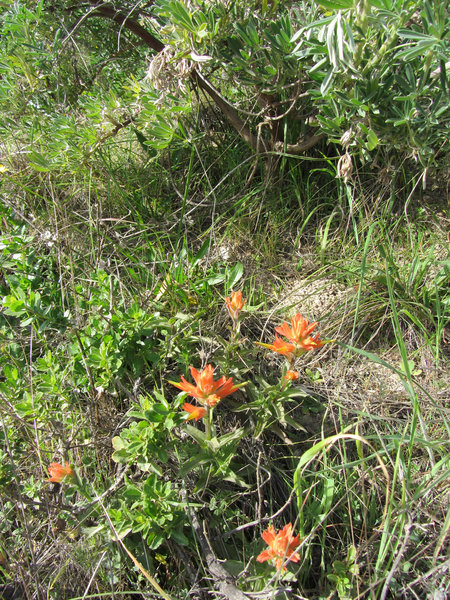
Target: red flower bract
{"type": "Point", "coordinates": [207, 391]}
{"type": "Point", "coordinates": [195, 412]}
{"type": "Point", "coordinates": [292, 375]}
{"type": "Point", "coordinates": [282, 546]}
{"type": "Point", "coordinates": [282, 347]}
{"type": "Point", "coordinates": [58, 472]}
{"type": "Point", "coordinates": [300, 334]}
{"type": "Point", "coordinates": [235, 304]}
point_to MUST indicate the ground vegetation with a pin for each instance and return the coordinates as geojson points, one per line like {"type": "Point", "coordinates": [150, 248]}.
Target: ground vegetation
{"type": "Point", "coordinates": [224, 305]}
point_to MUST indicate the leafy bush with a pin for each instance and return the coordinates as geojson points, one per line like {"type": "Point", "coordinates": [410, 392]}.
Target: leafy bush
{"type": "Point", "coordinates": [370, 77]}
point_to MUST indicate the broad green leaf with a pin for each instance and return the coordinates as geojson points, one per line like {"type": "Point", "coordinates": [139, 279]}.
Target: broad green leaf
{"type": "Point", "coordinates": [372, 140]}
{"type": "Point", "coordinates": [120, 456]}
{"type": "Point", "coordinates": [132, 492]}
{"type": "Point", "coordinates": [235, 274]}
{"type": "Point", "coordinates": [118, 443]}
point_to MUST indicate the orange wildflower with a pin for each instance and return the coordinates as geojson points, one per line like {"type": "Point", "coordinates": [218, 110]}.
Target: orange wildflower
{"type": "Point", "coordinates": [282, 546]}
{"type": "Point", "coordinates": [57, 472]}
{"type": "Point", "coordinates": [235, 304]}
{"type": "Point", "coordinates": [195, 412]}
{"type": "Point", "coordinates": [300, 334]}
{"type": "Point", "coordinates": [207, 391]}
{"type": "Point", "coordinates": [282, 347]}
{"type": "Point", "coordinates": [292, 375]}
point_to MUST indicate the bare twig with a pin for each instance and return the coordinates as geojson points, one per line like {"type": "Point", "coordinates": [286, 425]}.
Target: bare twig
{"type": "Point", "coordinates": [262, 520]}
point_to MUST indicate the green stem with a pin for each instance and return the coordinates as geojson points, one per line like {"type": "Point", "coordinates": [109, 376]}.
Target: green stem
{"type": "Point", "coordinates": [208, 418]}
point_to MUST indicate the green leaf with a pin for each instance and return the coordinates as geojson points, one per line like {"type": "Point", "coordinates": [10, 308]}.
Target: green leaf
{"type": "Point", "coordinates": [202, 252]}
{"type": "Point", "coordinates": [327, 494]}
{"type": "Point", "coordinates": [118, 443]}
{"type": "Point", "coordinates": [372, 140]}
{"type": "Point", "coordinates": [120, 456]}
{"type": "Point", "coordinates": [202, 458]}
{"type": "Point", "coordinates": [415, 35]}
{"type": "Point", "coordinates": [417, 50]}
{"type": "Point", "coordinates": [215, 279]}
{"type": "Point", "coordinates": [294, 424]}
{"type": "Point", "coordinates": [39, 162]}
{"type": "Point", "coordinates": [195, 433]}
{"type": "Point", "coordinates": [234, 436]}
{"type": "Point", "coordinates": [235, 274]}
{"type": "Point", "coordinates": [231, 476]}
{"type": "Point", "coordinates": [155, 540]}
{"type": "Point", "coordinates": [156, 414]}
{"type": "Point", "coordinates": [132, 492]}
{"type": "Point", "coordinates": [179, 537]}
{"type": "Point", "coordinates": [327, 82]}
{"type": "Point", "coordinates": [336, 4]}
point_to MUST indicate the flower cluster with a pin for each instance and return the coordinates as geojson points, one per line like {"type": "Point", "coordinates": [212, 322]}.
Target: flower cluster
{"type": "Point", "coordinates": [290, 341]}
{"type": "Point", "coordinates": [207, 391]}
{"type": "Point", "coordinates": [299, 338]}
{"type": "Point", "coordinates": [59, 472]}
{"type": "Point", "coordinates": [282, 545]}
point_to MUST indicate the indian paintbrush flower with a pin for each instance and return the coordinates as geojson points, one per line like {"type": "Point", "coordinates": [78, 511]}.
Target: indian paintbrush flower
{"type": "Point", "coordinates": [235, 304]}
{"type": "Point", "coordinates": [291, 375]}
{"type": "Point", "coordinates": [299, 338]}
{"type": "Point", "coordinates": [300, 334]}
{"type": "Point", "coordinates": [195, 412]}
{"type": "Point", "coordinates": [282, 545]}
{"type": "Point", "coordinates": [59, 472]}
{"type": "Point", "coordinates": [207, 391]}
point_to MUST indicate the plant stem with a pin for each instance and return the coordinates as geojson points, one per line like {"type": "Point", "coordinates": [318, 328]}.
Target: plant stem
{"type": "Point", "coordinates": [208, 417]}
